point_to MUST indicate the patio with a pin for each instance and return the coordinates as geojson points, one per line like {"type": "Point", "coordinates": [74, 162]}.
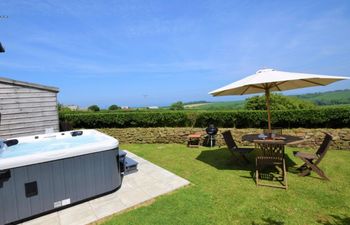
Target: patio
{"type": "Point", "coordinates": [149, 182]}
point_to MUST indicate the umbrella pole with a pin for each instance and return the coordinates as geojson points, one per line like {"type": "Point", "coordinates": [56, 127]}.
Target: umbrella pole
{"type": "Point", "coordinates": [267, 95]}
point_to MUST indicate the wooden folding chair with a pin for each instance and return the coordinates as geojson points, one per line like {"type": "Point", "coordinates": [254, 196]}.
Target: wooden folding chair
{"type": "Point", "coordinates": [311, 161]}
{"type": "Point", "coordinates": [271, 154]}
{"type": "Point", "coordinates": [234, 149]}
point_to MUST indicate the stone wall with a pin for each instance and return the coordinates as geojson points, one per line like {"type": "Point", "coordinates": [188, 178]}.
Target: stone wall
{"type": "Point", "coordinates": [312, 137]}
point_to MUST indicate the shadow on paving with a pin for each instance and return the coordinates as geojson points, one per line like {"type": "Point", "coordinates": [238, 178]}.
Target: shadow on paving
{"type": "Point", "coordinates": [337, 220]}
{"type": "Point", "coordinates": [268, 221]}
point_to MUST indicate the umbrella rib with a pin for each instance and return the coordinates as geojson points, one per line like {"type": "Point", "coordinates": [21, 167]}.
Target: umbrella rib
{"type": "Point", "coordinates": [276, 84]}
{"type": "Point", "coordinates": [256, 86]}
{"type": "Point", "coordinates": [313, 82]}
{"type": "Point", "coordinates": [279, 83]}
{"type": "Point", "coordinates": [245, 90]}
{"type": "Point", "coordinates": [216, 94]}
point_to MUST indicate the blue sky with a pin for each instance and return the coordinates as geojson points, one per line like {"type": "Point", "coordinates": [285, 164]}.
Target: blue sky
{"type": "Point", "coordinates": [141, 53]}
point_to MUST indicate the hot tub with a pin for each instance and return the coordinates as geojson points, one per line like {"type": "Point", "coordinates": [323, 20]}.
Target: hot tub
{"type": "Point", "coordinates": [44, 173]}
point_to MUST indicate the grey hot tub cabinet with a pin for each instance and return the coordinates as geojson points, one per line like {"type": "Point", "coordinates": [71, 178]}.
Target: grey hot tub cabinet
{"type": "Point", "coordinates": [40, 188]}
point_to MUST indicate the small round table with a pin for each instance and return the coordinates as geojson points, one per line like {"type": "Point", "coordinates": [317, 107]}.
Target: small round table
{"type": "Point", "coordinates": [194, 139]}
{"type": "Point", "coordinates": [285, 139]}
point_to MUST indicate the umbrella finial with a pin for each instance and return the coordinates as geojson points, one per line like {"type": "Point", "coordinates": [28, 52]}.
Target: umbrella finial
{"type": "Point", "coordinates": [264, 70]}
{"type": "Point", "coordinates": [1, 48]}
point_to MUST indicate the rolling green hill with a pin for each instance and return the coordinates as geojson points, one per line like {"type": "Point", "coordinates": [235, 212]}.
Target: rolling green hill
{"type": "Point", "coordinates": [217, 105]}
{"type": "Point", "coordinates": [328, 98]}
{"type": "Point", "coordinates": [339, 97]}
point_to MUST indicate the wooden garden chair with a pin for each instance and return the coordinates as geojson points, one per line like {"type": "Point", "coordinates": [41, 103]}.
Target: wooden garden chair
{"type": "Point", "coordinates": [270, 154]}
{"type": "Point", "coordinates": [311, 161]}
{"type": "Point", "coordinates": [234, 149]}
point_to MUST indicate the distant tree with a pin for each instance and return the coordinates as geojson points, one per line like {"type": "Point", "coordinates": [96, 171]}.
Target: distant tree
{"type": "Point", "coordinates": [277, 102]}
{"type": "Point", "coordinates": [256, 103]}
{"type": "Point", "coordinates": [59, 106]}
{"type": "Point", "coordinates": [94, 108]}
{"type": "Point", "coordinates": [177, 106]}
{"type": "Point", "coordinates": [195, 102]}
{"type": "Point", "coordinates": [62, 108]}
{"type": "Point", "coordinates": [114, 107]}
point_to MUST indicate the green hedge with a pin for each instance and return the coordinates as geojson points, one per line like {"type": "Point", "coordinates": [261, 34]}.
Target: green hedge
{"type": "Point", "coordinates": [329, 117]}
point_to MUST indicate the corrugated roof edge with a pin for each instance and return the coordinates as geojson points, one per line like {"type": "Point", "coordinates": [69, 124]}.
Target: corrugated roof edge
{"type": "Point", "coordinates": [27, 84]}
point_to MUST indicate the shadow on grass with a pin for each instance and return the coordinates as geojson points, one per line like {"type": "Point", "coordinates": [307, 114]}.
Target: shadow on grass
{"type": "Point", "coordinates": [296, 170]}
{"type": "Point", "coordinates": [222, 159]}
{"type": "Point", "coordinates": [337, 220]}
{"type": "Point", "coordinates": [268, 221]}
{"type": "Point", "coordinates": [290, 164]}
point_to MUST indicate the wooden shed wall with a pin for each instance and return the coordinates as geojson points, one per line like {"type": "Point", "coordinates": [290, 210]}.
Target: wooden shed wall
{"type": "Point", "coordinates": [26, 111]}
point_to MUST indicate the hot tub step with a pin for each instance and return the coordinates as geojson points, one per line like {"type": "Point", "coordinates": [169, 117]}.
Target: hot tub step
{"type": "Point", "coordinates": [130, 165]}
{"type": "Point", "coordinates": [127, 164]}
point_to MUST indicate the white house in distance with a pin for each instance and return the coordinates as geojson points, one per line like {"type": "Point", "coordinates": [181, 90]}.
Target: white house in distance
{"type": "Point", "coordinates": [153, 107]}
{"type": "Point", "coordinates": [72, 107]}
{"type": "Point", "coordinates": [27, 108]}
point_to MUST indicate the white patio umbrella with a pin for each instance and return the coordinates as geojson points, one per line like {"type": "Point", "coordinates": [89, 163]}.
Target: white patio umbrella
{"type": "Point", "coordinates": [267, 80]}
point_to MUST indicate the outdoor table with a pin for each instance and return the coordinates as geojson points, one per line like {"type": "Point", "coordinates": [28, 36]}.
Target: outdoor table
{"type": "Point", "coordinates": [277, 140]}
{"type": "Point", "coordinates": [285, 139]}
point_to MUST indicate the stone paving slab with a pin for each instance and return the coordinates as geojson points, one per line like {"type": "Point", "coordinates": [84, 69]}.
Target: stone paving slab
{"type": "Point", "coordinates": [147, 183]}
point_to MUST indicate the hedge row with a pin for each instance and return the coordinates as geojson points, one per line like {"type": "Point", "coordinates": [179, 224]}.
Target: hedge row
{"type": "Point", "coordinates": [330, 117]}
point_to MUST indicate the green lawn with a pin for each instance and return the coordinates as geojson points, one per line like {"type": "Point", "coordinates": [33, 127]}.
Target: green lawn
{"type": "Point", "coordinates": [223, 192]}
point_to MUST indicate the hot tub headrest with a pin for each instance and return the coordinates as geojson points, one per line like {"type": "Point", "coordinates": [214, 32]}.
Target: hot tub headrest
{"type": "Point", "coordinates": [76, 133]}
{"type": "Point", "coordinates": [7, 143]}
{"type": "Point", "coordinates": [11, 142]}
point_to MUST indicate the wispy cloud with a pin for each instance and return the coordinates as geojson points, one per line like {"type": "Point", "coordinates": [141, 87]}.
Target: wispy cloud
{"type": "Point", "coordinates": [101, 69]}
